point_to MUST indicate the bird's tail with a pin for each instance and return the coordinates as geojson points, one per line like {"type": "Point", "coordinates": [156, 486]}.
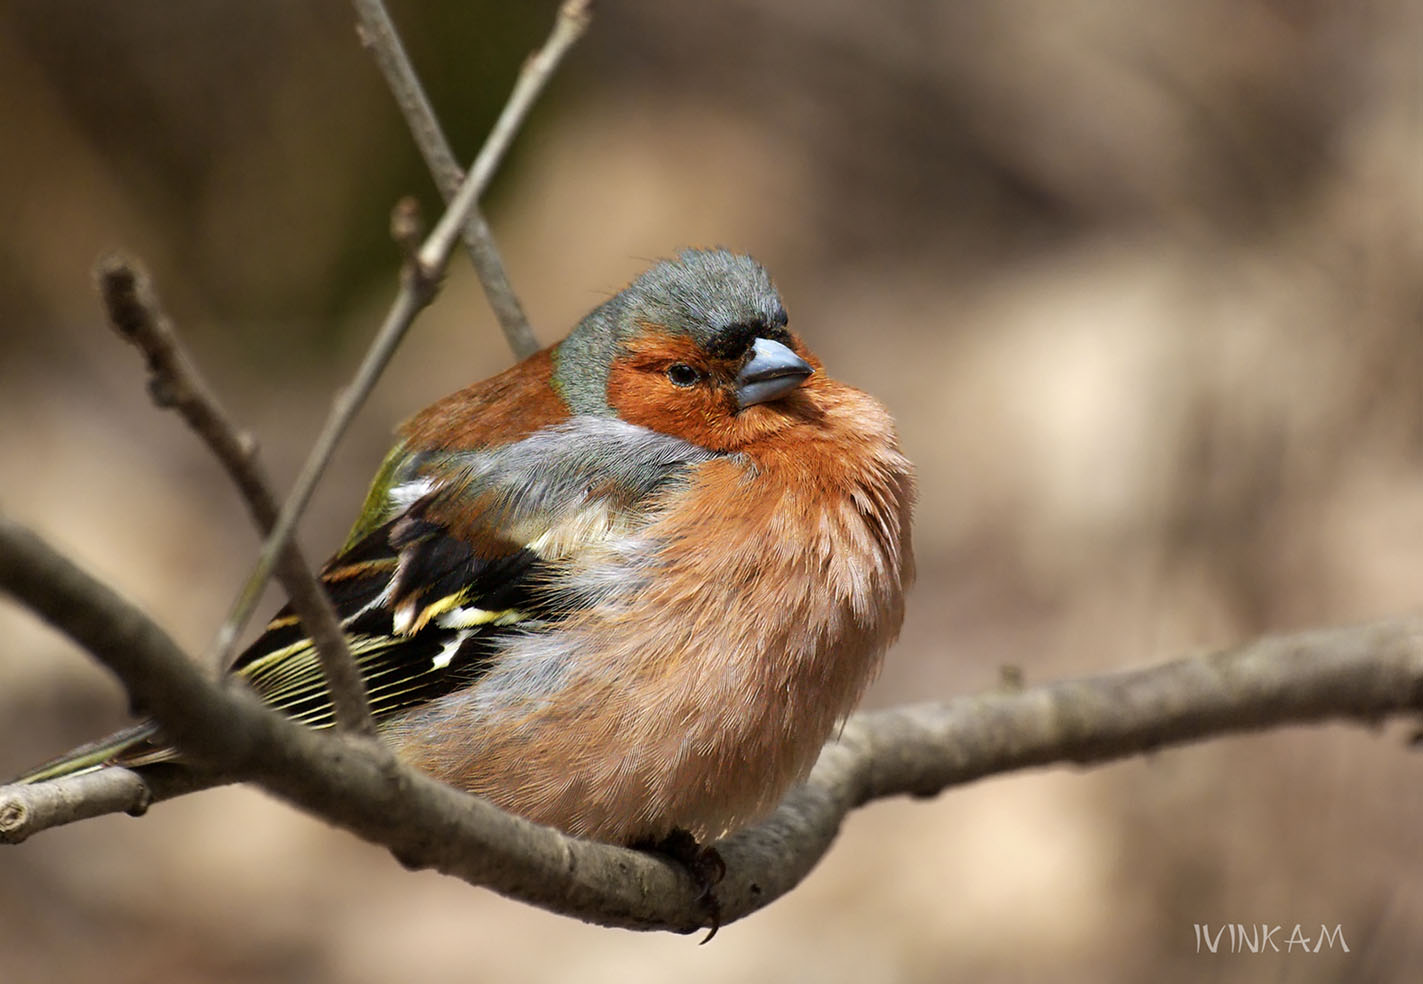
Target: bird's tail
{"type": "Point", "coordinates": [138, 745]}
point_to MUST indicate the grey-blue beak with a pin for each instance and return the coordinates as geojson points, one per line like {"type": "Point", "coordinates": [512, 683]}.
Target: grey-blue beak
{"type": "Point", "coordinates": [772, 371]}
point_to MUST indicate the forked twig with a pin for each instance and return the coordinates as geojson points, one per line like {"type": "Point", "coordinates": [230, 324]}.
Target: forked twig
{"type": "Point", "coordinates": [379, 35]}
{"type": "Point", "coordinates": [418, 288]}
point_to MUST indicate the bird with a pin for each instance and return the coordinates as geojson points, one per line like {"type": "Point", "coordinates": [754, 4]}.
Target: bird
{"type": "Point", "coordinates": [626, 588]}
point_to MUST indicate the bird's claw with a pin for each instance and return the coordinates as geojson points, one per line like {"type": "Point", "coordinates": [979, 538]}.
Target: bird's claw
{"type": "Point", "coordinates": [705, 866]}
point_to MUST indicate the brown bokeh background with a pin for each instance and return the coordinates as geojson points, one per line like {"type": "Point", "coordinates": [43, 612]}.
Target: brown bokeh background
{"type": "Point", "coordinates": [1141, 283]}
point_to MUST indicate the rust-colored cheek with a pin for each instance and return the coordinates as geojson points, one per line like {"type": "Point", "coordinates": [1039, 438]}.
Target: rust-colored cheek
{"type": "Point", "coordinates": [640, 392]}
{"type": "Point", "coordinates": [705, 414]}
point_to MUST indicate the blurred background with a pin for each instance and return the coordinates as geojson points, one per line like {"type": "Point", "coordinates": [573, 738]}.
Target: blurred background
{"type": "Point", "coordinates": [1141, 284]}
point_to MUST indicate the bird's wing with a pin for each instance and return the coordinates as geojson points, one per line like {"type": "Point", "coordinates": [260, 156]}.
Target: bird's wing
{"type": "Point", "coordinates": [483, 545]}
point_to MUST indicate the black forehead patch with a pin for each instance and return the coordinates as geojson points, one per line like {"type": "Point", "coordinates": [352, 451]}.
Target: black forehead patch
{"type": "Point", "coordinates": [732, 341]}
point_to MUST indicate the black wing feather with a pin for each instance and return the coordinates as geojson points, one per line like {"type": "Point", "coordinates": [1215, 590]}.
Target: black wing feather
{"type": "Point", "coordinates": [403, 562]}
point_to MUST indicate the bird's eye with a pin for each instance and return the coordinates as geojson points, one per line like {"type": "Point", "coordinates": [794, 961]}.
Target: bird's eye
{"type": "Point", "coordinates": [682, 374]}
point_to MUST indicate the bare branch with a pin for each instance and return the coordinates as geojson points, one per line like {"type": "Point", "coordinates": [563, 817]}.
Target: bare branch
{"type": "Point", "coordinates": [1364, 673]}
{"type": "Point", "coordinates": [379, 35]}
{"type": "Point", "coordinates": [417, 291]}
{"type": "Point", "coordinates": [175, 383]}
{"type": "Point", "coordinates": [67, 800]}
{"type": "Point", "coordinates": [572, 21]}
{"type": "Point", "coordinates": [27, 810]}
{"type": "Point", "coordinates": [353, 783]}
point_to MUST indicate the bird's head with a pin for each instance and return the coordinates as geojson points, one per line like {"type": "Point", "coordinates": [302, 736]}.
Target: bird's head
{"type": "Point", "coordinates": [697, 347]}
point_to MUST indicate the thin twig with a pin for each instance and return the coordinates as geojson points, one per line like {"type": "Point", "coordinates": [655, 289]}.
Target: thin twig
{"type": "Point", "coordinates": [379, 35]}
{"type": "Point", "coordinates": [414, 295]}
{"type": "Point", "coordinates": [572, 21]}
{"type": "Point", "coordinates": [69, 799]}
{"type": "Point", "coordinates": [175, 383]}
{"type": "Point", "coordinates": [418, 288]}
{"type": "Point", "coordinates": [1364, 673]}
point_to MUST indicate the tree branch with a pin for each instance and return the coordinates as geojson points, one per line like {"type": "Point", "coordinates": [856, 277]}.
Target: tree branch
{"type": "Point", "coordinates": [378, 33]}
{"type": "Point", "coordinates": [355, 784]}
{"type": "Point", "coordinates": [1365, 673]}
{"type": "Point", "coordinates": [421, 280]}
{"type": "Point", "coordinates": [175, 383]}
{"type": "Point", "coordinates": [572, 21]}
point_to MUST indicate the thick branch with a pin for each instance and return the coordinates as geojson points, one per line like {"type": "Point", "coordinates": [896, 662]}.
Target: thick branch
{"type": "Point", "coordinates": [1365, 673]}
{"type": "Point", "coordinates": [352, 783]}
{"type": "Point", "coordinates": [174, 382]}
{"type": "Point", "coordinates": [379, 35]}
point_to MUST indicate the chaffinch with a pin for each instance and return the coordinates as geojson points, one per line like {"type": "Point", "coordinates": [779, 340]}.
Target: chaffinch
{"type": "Point", "coordinates": [627, 587]}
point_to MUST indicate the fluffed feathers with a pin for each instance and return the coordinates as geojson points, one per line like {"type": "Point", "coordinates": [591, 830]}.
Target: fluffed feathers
{"type": "Point", "coordinates": [629, 585]}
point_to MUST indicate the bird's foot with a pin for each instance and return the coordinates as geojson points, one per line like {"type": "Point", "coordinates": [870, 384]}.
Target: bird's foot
{"type": "Point", "coordinates": [702, 862]}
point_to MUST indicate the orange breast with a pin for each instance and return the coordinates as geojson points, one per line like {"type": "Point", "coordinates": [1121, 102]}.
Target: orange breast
{"type": "Point", "coordinates": [753, 618]}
